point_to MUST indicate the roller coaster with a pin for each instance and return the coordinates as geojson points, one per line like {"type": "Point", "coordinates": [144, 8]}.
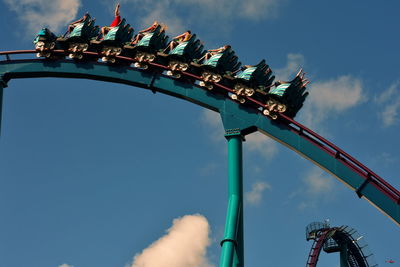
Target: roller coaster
{"type": "Point", "coordinates": [247, 98]}
{"type": "Point", "coordinates": [344, 239]}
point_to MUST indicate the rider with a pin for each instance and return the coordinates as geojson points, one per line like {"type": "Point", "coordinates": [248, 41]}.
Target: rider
{"type": "Point", "coordinates": [142, 33]}
{"type": "Point", "coordinates": [72, 25]}
{"type": "Point", "coordinates": [303, 82]}
{"type": "Point", "coordinates": [263, 68]}
{"type": "Point", "coordinates": [212, 52]}
{"type": "Point", "coordinates": [184, 37]}
{"type": "Point", "coordinates": [130, 29]}
{"type": "Point", "coordinates": [114, 23]}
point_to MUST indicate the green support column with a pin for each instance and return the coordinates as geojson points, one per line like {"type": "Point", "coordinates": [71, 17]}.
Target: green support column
{"type": "Point", "coordinates": [232, 244]}
{"type": "Point", "coordinates": [344, 255]}
{"type": "Point", "coordinates": [3, 84]}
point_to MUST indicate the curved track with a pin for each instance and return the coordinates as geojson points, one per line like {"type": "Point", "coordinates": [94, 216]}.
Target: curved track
{"type": "Point", "coordinates": [235, 116]}
{"type": "Point", "coordinates": [338, 239]}
{"type": "Point", "coordinates": [316, 248]}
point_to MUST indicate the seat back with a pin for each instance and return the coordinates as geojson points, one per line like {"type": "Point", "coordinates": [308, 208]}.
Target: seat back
{"type": "Point", "coordinates": [77, 31]}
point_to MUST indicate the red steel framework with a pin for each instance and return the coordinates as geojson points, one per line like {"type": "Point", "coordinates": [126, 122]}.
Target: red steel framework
{"type": "Point", "coordinates": [316, 248]}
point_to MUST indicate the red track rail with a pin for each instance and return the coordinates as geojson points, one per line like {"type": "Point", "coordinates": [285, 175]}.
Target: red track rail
{"type": "Point", "coordinates": [349, 160]}
{"type": "Point", "coordinates": [301, 130]}
{"type": "Point", "coordinates": [316, 248]}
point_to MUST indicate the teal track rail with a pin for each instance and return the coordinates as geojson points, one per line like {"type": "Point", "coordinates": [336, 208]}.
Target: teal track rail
{"type": "Point", "coordinates": [246, 118]}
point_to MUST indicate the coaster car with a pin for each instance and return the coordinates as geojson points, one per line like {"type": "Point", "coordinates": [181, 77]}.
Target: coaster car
{"type": "Point", "coordinates": [113, 42]}
{"type": "Point", "coordinates": [78, 41]}
{"type": "Point", "coordinates": [179, 58]}
{"type": "Point", "coordinates": [147, 47]}
{"type": "Point", "coordinates": [287, 97]}
{"type": "Point", "coordinates": [253, 81]}
{"type": "Point", "coordinates": [215, 67]}
{"type": "Point", "coordinates": [45, 43]}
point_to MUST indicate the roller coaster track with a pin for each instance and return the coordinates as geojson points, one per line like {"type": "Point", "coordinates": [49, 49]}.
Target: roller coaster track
{"type": "Point", "coordinates": [345, 238]}
{"type": "Point", "coordinates": [366, 183]}
{"type": "Point", "coordinates": [316, 248]}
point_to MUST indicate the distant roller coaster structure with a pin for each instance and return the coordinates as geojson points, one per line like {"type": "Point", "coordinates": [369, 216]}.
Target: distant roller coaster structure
{"type": "Point", "coordinates": [353, 249]}
{"type": "Point", "coordinates": [248, 102]}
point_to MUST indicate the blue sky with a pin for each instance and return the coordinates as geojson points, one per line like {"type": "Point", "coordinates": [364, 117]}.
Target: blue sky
{"type": "Point", "coordinates": [93, 173]}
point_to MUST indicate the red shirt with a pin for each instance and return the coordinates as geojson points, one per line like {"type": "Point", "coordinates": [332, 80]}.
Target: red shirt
{"type": "Point", "coordinates": [116, 21]}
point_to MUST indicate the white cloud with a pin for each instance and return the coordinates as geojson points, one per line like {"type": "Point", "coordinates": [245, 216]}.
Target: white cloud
{"type": "Point", "coordinates": [390, 101]}
{"type": "Point", "coordinates": [329, 98]}
{"type": "Point", "coordinates": [209, 168]}
{"type": "Point", "coordinates": [317, 182]}
{"type": "Point", "coordinates": [254, 196]}
{"type": "Point", "coordinates": [388, 94]}
{"type": "Point", "coordinates": [184, 245]}
{"type": "Point", "coordinates": [35, 14]}
{"type": "Point", "coordinates": [294, 63]}
{"type": "Point", "coordinates": [336, 94]}
{"type": "Point", "coordinates": [213, 121]}
{"type": "Point", "coordinates": [390, 114]}
{"type": "Point", "coordinates": [261, 144]}
{"type": "Point", "coordinates": [317, 186]}
{"type": "Point", "coordinates": [162, 11]}
{"type": "Point", "coordinates": [255, 143]}
{"type": "Point", "coordinates": [212, 118]}
{"type": "Point", "coordinates": [385, 158]}
{"type": "Point", "coordinates": [65, 265]}
{"type": "Point", "coordinates": [180, 14]}
{"type": "Point", "coordinates": [256, 9]}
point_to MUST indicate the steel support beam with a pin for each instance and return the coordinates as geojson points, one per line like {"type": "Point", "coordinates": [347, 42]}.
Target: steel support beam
{"type": "Point", "coordinates": [3, 84]}
{"type": "Point", "coordinates": [232, 244]}
{"type": "Point", "coordinates": [344, 255]}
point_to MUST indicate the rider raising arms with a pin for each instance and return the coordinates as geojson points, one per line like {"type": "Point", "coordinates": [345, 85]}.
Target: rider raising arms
{"type": "Point", "coordinates": [114, 23]}
{"type": "Point", "coordinates": [117, 18]}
